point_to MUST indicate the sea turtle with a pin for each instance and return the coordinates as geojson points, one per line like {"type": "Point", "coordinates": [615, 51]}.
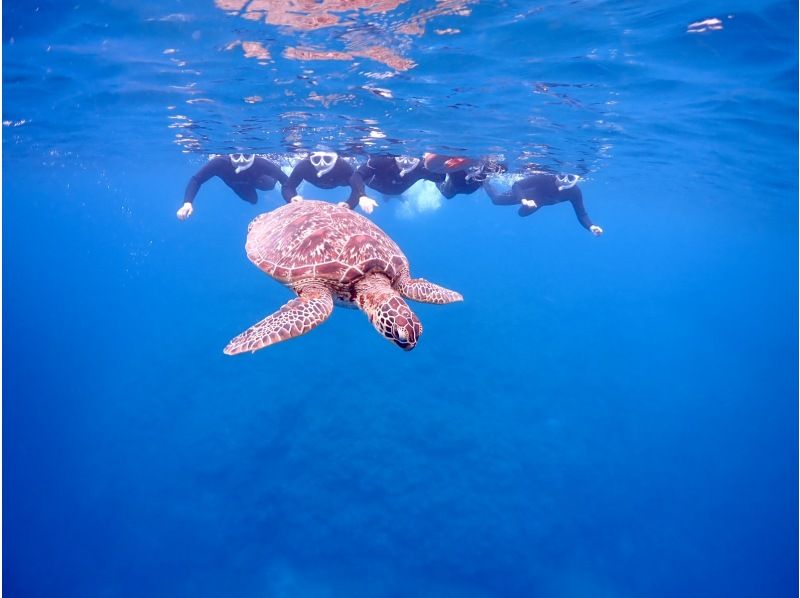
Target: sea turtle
{"type": "Point", "coordinates": [327, 253]}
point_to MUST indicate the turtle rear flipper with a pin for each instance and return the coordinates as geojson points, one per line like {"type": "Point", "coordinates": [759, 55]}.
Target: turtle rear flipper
{"type": "Point", "coordinates": [297, 317]}
{"type": "Point", "coordinates": [419, 289]}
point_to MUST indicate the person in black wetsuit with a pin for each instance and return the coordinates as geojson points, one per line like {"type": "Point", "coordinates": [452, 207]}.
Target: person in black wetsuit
{"type": "Point", "coordinates": [542, 189]}
{"type": "Point", "coordinates": [244, 173]}
{"type": "Point", "coordinates": [464, 175]}
{"type": "Point", "coordinates": [327, 170]}
{"type": "Point", "coordinates": [394, 175]}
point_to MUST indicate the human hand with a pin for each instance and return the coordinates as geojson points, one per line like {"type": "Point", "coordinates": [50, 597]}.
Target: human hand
{"type": "Point", "coordinates": [367, 204]}
{"type": "Point", "coordinates": [595, 230]}
{"type": "Point", "coordinates": [343, 204]}
{"type": "Point", "coordinates": [185, 211]}
{"type": "Point", "coordinates": [296, 198]}
{"type": "Point", "coordinates": [529, 203]}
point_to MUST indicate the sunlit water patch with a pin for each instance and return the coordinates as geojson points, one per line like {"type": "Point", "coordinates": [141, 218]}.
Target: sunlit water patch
{"type": "Point", "coordinates": [449, 76]}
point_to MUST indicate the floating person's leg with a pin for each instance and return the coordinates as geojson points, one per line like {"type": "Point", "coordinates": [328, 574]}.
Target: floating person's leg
{"type": "Point", "coordinates": [266, 183]}
{"type": "Point", "coordinates": [447, 188]}
{"type": "Point", "coordinates": [527, 204]}
{"type": "Point", "coordinates": [246, 192]}
{"type": "Point", "coordinates": [526, 209]}
{"type": "Point", "coordinates": [500, 199]}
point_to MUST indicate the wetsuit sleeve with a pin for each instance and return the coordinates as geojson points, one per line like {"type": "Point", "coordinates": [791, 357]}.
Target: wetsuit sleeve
{"type": "Point", "coordinates": [356, 189]}
{"type": "Point", "coordinates": [289, 188]}
{"type": "Point", "coordinates": [212, 168]}
{"type": "Point", "coordinates": [580, 210]}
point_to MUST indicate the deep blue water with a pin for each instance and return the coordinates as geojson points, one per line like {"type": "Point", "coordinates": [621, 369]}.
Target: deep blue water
{"type": "Point", "coordinates": [612, 416]}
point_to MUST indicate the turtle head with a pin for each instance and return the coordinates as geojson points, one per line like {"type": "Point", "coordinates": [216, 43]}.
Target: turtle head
{"type": "Point", "coordinates": [395, 321]}
{"type": "Point", "coordinates": [388, 311]}
{"type": "Point", "coordinates": [392, 318]}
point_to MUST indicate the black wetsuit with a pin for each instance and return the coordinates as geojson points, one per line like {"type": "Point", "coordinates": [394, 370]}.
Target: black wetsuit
{"type": "Point", "coordinates": [382, 174]}
{"type": "Point", "coordinates": [457, 182]}
{"type": "Point", "coordinates": [543, 189]}
{"type": "Point", "coordinates": [341, 175]}
{"type": "Point", "coordinates": [263, 175]}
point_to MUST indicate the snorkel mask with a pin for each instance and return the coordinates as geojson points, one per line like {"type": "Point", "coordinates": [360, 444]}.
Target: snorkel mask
{"type": "Point", "coordinates": [323, 162]}
{"type": "Point", "coordinates": [406, 164]}
{"type": "Point", "coordinates": [567, 181]}
{"type": "Point", "coordinates": [242, 161]}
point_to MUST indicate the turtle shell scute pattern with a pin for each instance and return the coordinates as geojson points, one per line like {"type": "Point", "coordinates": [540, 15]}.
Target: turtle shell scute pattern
{"type": "Point", "coordinates": [317, 239]}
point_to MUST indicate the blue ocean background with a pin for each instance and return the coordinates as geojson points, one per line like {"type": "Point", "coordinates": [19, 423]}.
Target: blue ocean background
{"type": "Point", "coordinates": [601, 417]}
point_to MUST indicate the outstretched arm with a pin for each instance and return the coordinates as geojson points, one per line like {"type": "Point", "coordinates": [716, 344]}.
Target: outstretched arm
{"type": "Point", "coordinates": [289, 188]}
{"type": "Point", "coordinates": [212, 168]}
{"type": "Point", "coordinates": [356, 189]}
{"type": "Point", "coordinates": [357, 194]}
{"type": "Point", "coordinates": [576, 200]}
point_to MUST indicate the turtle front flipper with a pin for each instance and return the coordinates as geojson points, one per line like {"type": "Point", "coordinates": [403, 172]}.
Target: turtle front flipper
{"type": "Point", "coordinates": [419, 289]}
{"type": "Point", "coordinates": [310, 309]}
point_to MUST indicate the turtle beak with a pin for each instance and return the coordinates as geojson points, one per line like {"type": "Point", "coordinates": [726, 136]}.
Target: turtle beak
{"type": "Point", "coordinates": [401, 340]}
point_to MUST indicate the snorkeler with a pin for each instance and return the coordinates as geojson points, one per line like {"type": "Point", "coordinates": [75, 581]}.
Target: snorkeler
{"type": "Point", "coordinates": [394, 175]}
{"type": "Point", "coordinates": [464, 175]}
{"type": "Point", "coordinates": [542, 189]}
{"type": "Point", "coordinates": [244, 173]}
{"type": "Point", "coordinates": [327, 170]}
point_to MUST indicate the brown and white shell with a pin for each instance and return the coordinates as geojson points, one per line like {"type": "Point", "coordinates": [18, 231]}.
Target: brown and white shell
{"type": "Point", "coordinates": [311, 239]}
